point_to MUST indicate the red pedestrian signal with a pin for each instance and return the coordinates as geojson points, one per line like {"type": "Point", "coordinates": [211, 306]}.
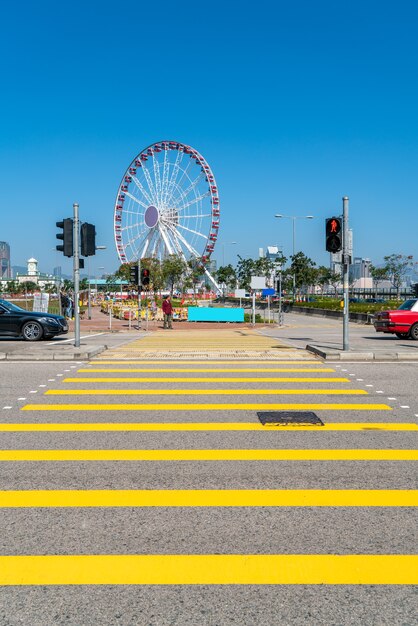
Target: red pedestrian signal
{"type": "Point", "coordinates": [145, 277]}
{"type": "Point", "coordinates": [333, 234]}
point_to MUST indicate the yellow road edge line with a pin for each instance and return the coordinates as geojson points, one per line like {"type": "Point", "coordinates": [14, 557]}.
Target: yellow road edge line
{"type": "Point", "coordinates": [210, 455]}
{"type": "Point", "coordinates": [204, 392]}
{"type": "Point", "coordinates": [220, 370]}
{"type": "Point", "coordinates": [206, 407]}
{"type": "Point", "coordinates": [209, 498]}
{"type": "Point", "coordinates": [202, 426]}
{"type": "Point", "coordinates": [198, 379]}
{"type": "Point", "coordinates": [210, 569]}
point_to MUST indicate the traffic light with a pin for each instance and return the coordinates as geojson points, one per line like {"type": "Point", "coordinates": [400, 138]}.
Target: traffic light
{"type": "Point", "coordinates": [333, 234]}
{"type": "Point", "coordinates": [145, 277]}
{"type": "Point", "coordinates": [88, 239]}
{"type": "Point", "coordinates": [133, 274]}
{"type": "Point", "coordinates": [66, 236]}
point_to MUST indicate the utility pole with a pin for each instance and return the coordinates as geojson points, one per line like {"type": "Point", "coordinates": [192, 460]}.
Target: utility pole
{"type": "Point", "coordinates": [76, 275]}
{"type": "Point", "coordinates": [346, 264]}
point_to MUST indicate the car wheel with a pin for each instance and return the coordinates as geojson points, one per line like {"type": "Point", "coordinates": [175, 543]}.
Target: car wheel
{"type": "Point", "coordinates": [413, 333]}
{"type": "Point", "coordinates": [401, 335]}
{"type": "Point", "coordinates": [32, 331]}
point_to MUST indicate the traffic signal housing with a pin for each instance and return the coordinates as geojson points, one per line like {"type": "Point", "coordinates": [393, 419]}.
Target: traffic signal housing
{"type": "Point", "coordinates": [133, 274]}
{"type": "Point", "coordinates": [333, 234]}
{"type": "Point", "coordinates": [66, 237]}
{"type": "Point", "coordinates": [88, 239]}
{"type": "Point", "coordinates": [145, 277]}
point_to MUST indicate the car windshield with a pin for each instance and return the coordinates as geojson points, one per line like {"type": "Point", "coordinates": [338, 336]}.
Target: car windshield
{"type": "Point", "coordinates": [407, 305]}
{"type": "Point", "coordinates": [10, 306]}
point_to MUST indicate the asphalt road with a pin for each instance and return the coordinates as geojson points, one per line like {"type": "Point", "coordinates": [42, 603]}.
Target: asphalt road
{"type": "Point", "coordinates": [386, 399]}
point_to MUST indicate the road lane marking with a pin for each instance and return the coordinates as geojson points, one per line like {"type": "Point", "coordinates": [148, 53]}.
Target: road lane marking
{"type": "Point", "coordinates": [208, 379]}
{"type": "Point", "coordinates": [210, 455]}
{"type": "Point", "coordinates": [203, 392]}
{"type": "Point", "coordinates": [206, 407]}
{"type": "Point", "coordinates": [210, 569]}
{"type": "Point", "coordinates": [54, 343]}
{"type": "Point", "coordinates": [209, 498]}
{"type": "Point", "coordinates": [200, 426]}
{"type": "Point", "coordinates": [214, 370]}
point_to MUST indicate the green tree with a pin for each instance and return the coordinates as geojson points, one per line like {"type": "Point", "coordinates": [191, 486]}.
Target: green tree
{"type": "Point", "coordinates": [29, 286]}
{"type": "Point", "coordinates": [303, 268]}
{"type": "Point", "coordinates": [173, 267]}
{"type": "Point", "coordinates": [245, 269]}
{"type": "Point", "coordinates": [227, 276]}
{"type": "Point", "coordinates": [379, 274]}
{"type": "Point", "coordinates": [397, 266]}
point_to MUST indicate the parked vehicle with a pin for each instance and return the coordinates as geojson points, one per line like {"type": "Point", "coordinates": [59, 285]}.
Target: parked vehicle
{"type": "Point", "coordinates": [32, 326]}
{"type": "Point", "coordinates": [403, 322]}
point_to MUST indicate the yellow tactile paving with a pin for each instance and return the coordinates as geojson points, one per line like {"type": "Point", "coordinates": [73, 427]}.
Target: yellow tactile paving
{"type": "Point", "coordinates": [220, 342]}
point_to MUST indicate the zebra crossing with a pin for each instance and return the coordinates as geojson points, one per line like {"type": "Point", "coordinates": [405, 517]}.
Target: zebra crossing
{"type": "Point", "coordinates": [160, 451]}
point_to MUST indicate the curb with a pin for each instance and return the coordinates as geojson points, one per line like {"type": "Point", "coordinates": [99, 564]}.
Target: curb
{"type": "Point", "coordinates": [335, 355]}
{"type": "Point", "coordinates": [83, 355]}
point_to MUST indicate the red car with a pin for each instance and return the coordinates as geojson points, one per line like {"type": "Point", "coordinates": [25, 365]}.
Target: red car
{"type": "Point", "coordinates": [403, 322]}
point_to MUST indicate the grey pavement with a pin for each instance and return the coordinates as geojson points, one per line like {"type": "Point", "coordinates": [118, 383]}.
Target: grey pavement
{"type": "Point", "coordinates": [324, 337]}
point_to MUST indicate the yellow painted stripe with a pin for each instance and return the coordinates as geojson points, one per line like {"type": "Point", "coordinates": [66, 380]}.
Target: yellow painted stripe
{"type": "Point", "coordinates": [219, 370]}
{"type": "Point", "coordinates": [198, 379]}
{"type": "Point", "coordinates": [206, 407]}
{"type": "Point", "coordinates": [204, 392]}
{"type": "Point", "coordinates": [209, 455]}
{"type": "Point", "coordinates": [200, 426]}
{"type": "Point", "coordinates": [210, 569]}
{"type": "Point", "coordinates": [236, 361]}
{"type": "Point", "coordinates": [208, 498]}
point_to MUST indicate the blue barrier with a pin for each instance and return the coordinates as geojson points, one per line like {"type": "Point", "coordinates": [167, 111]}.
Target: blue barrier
{"type": "Point", "coordinates": [206, 314]}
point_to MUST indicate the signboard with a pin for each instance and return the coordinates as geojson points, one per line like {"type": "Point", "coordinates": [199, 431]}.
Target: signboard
{"type": "Point", "coordinates": [240, 293]}
{"type": "Point", "coordinates": [268, 292]}
{"type": "Point", "coordinates": [258, 282]}
{"type": "Point", "coordinates": [41, 302]}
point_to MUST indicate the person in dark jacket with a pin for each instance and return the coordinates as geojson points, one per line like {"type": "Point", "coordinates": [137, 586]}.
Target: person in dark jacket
{"type": "Point", "coordinates": [168, 312]}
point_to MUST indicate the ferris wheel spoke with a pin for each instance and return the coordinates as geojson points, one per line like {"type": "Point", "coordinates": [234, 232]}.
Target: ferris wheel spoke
{"type": "Point", "coordinates": [194, 201]}
{"type": "Point", "coordinates": [132, 197]}
{"type": "Point", "coordinates": [142, 190]}
{"type": "Point", "coordinates": [188, 217]}
{"type": "Point", "coordinates": [194, 232]}
{"type": "Point", "coordinates": [157, 177]}
{"type": "Point", "coordinates": [192, 186]}
{"type": "Point", "coordinates": [150, 185]}
{"type": "Point", "coordinates": [188, 245]}
{"type": "Point", "coordinates": [166, 172]}
{"type": "Point", "coordinates": [167, 242]}
{"type": "Point", "coordinates": [173, 176]}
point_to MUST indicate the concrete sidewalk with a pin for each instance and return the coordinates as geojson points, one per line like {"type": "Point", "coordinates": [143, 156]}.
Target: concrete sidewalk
{"type": "Point", "coordinates": [324, 337]}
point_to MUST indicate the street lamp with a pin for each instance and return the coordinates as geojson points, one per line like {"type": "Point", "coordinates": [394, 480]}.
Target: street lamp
{"type": "Point", "coordinates": [227, 243]}
{"type": "Point", "coordinates": [294, 218]}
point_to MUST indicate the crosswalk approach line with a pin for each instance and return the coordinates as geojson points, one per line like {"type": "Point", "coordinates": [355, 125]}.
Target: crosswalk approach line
{"type": "Point", "coordinates": [206, 379]}
{"type": "Point", "coordinates": [205, 370]}
{"type": "Point", "coordinates": [206, 407]}
{"type": "Point", "coordinates": [210, 569]}
{"type": "Point", "coordinates": [209, 498]}
{"type": "Point", "coordinates": [200, 426]}
{"type": "Point", "coordinates": [211, 455]}
{"type": "Point", "coordinates": [204, 392]}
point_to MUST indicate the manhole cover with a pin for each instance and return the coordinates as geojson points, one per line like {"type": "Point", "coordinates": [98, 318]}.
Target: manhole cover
{"type": "Point", "coordinates": [285, 418]}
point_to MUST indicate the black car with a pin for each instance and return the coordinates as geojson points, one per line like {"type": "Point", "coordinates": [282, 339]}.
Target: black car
{"type": "Point", "coordinates": [32, 326]}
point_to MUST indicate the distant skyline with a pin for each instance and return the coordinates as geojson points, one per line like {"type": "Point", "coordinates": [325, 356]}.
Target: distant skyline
{"type": "Point", "coordinates": [293, 106]}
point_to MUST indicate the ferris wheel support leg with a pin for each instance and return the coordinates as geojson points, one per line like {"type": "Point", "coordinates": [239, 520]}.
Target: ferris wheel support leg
{"type": "Point", "coordinates": [213, 281]}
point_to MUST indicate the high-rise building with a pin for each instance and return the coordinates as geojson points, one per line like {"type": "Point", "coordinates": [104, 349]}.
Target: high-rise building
{"type": "Point", "coordinates": [5, 271]}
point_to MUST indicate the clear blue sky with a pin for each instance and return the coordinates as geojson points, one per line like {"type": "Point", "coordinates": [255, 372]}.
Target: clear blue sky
{"type": "Point", "coordinates": [293, 104]}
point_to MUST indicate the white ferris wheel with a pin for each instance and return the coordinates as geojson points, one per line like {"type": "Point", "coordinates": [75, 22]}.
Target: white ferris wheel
{"type": "Point", "coordinates": [167, 203]}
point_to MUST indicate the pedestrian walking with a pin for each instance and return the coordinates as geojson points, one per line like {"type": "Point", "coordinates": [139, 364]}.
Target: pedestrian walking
{"type": "Point", "coordinates": [168, 312]}
{"type": "Point", "coordinates": [65, 304]}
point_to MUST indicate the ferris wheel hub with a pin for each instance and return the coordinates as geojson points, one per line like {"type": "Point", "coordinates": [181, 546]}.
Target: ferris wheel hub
{"type": "Point", "coordinates": [151, 216]}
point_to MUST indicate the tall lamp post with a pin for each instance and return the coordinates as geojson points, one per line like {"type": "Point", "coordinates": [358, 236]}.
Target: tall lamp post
{"type": "Point", "coordinates": [294, 218]}
{"type": "Point", "coordinates": [227, 243]}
